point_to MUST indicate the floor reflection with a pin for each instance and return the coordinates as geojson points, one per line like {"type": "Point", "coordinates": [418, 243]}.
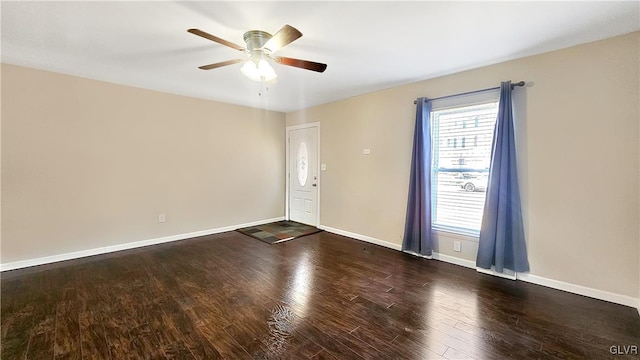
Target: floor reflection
{"type": "Point", "coordinates": [299, 290]}
{"type": "Point", "coordinates": [447, 314]}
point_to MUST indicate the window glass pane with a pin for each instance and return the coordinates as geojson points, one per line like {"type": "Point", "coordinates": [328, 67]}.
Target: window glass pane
{"type": "Point", "coordinates": [302, 160]}
{"type": "Point", "coordinates": [460, 173]}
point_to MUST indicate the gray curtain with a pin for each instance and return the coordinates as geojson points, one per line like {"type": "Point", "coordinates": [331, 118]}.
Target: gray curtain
{"type": "Point", "coordinates": [417, 230]}
{"type": "Point", "coordinates": [502, 242]}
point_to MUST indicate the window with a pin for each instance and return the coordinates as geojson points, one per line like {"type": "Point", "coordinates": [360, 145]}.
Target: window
{"type": "Point", "coordinates": [460, 174]}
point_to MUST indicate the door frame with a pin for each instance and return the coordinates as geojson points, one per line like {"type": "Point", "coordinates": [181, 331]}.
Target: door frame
{"type": "Point", "coordinates": [288, 175]}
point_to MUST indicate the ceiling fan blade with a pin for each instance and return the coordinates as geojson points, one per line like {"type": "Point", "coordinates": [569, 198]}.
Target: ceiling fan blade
{"type": "Point", "coordinates": [282, 38]}
{"type": "Point", "coordinates": [304, 64]}
{"type": "Point", "coordinates": [216, 39]}
{"type": "Point", "coordinates": [220, 64]}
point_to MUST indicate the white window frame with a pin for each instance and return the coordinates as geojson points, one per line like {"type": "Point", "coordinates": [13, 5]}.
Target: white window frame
{"type": "Point", "coordinates": [478, 98]}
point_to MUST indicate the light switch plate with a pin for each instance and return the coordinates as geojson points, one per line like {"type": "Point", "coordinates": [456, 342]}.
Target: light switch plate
{"type": "Point", "coordinates": [323, 167]}
{"type": "Point", "coordinates": [366, 151]}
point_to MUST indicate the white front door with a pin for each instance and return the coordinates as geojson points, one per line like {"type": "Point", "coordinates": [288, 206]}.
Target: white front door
{"type": "Point", "coordinates": [303, 175]}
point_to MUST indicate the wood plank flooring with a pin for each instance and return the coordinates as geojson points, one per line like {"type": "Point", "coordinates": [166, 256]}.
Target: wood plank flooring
{"type": "Point", "coordinates": [323, 296]}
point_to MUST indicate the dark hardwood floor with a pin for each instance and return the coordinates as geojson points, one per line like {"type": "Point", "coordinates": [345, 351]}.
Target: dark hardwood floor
{"type": "Point", "coordinates": [322, 296]}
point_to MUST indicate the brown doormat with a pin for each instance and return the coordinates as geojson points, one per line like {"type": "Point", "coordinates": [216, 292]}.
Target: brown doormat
{"type": "Point", "coordinates": [280, 231]}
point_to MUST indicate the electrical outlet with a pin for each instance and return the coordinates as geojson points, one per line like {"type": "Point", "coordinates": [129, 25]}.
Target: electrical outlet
{"type": "Point", "coordinates": [162, 217]}
{"type": "Point", "coordinates": [456, 246]}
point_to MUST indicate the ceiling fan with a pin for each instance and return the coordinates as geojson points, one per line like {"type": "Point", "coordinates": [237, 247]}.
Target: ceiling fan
{"type": "Point", "coordinates": [260, 47]}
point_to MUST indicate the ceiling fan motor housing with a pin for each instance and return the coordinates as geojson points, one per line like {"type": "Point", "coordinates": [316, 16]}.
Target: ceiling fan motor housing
{"type": "Point", "coordinates": [255, 40]}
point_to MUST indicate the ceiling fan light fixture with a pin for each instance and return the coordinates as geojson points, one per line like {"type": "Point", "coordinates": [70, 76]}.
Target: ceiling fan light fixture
{"type": "Point", "coordinates": [258, 71]}
{"type": "Point", "coordinates": [260, 47]}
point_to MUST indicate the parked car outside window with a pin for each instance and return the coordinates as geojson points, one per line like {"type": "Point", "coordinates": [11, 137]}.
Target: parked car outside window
{"type": "Point", "coordinates": [473, 181]}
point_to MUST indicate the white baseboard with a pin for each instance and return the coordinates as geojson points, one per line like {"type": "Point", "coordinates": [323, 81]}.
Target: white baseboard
{"type": "Point", "coordinates": [366, 238]}
{"type": "Point", "coordinates": [579, 289]}
{"type": "Point", "coordinates": [419, 255]}
{"type": "Point", "coordinates": [534, 279]}
{"type": "Point", "coordinates": [50, 259]}
{"type": "Point", "coordinates": [131, 245]}
{"type": "Point", "coordinates": [465, 263]}
{"type": "Point", "coordinates": [507, 274]}
{"type": "Point", "coordinates": [454, 260]}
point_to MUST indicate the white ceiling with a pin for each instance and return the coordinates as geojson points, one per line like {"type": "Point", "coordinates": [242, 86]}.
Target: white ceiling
{"type": "Point", "coordinates": [368, 46]}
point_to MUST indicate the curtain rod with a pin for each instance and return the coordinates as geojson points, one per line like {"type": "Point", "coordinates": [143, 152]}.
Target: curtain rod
{"type": "Point", "coordinates": [521, 83]}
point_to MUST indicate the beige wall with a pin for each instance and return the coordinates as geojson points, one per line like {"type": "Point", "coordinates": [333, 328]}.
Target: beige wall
{"type": "Point", "coordinates": [578, 150]}
{"type": "Point", "coordinates": [87, 164]}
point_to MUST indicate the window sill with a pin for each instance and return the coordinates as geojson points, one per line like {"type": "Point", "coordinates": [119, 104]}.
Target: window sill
{"type": "Point", "coordinates": [456, 234]}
